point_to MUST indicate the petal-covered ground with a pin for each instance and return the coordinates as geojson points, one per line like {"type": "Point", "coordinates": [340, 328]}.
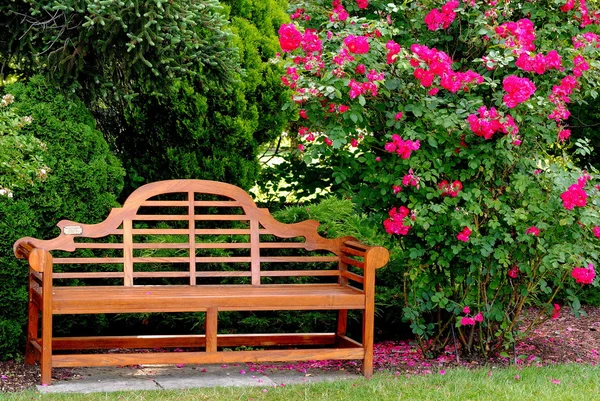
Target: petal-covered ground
{"type": "Point", "coordinates": [561, 340]}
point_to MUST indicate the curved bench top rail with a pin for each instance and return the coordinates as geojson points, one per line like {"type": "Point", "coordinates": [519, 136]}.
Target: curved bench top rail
{"type": "Point", "coordinates": [140, 198]}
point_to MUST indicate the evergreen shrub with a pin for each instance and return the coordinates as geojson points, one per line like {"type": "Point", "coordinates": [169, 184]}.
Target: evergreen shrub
{"type": "Point", "coordinates": [83, 182]}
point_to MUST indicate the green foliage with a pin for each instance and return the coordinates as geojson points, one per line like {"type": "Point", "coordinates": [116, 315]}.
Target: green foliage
{"type": "Point", "coordinates": [83, 185]}
{"type": "Point", "coordinates": [185, 133]}
{"type": "Point", "coordinates": [21, 159]}
{"type": "Point", "coordinates": [199, 128]}
{"type": "Point", "coordinates": [509, 182]}
{"type": "Point", "coordinates": [109, 46]}
{"type": "Point", "coordinates": [590, 296]}
{"type": "Point", "coordinates": [340, 217]}
{"type": "Point", "coordinates": [180, 89]}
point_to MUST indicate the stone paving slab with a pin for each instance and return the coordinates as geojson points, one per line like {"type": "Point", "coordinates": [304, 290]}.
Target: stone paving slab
{"type": "Point", "coordinates": [169, 377]}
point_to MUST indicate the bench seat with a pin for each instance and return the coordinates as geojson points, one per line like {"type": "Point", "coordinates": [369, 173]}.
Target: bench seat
{"type": "Point", "coordinates": [198, 298]}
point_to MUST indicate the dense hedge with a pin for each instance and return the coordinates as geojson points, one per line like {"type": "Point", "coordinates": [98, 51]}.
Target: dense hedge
{"type": "Point", "coordinates": [83, 182]}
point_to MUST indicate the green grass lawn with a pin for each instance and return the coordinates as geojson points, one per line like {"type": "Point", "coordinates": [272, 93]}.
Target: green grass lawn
{"type": "Point", "coordinates": [556, 383]}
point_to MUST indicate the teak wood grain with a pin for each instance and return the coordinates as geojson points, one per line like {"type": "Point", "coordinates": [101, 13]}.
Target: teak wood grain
{"type": "Point", "coordinates": [192, 226]}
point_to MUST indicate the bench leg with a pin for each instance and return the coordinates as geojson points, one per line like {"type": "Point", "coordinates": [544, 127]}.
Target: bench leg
{"type": "Point", "coordinates": [211, 330]}
{"type": "Point", "coordinates": [342, 323]}
{"type": "Point", "coordinates": [46, 356]}
{"type": "Point", "coordinates": [367, 341]}
{"type": "Point", "coordinates": [32, 332]}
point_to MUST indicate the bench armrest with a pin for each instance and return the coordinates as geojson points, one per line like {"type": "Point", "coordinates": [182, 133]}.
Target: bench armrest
{"type": "Point", "coordinates": [374, 257]}
{"type": "Point", "coordinates": [39, 259]}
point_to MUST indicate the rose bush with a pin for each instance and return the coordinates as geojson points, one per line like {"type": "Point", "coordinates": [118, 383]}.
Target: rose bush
{"type": "Point", "coordinates": [449, 123]}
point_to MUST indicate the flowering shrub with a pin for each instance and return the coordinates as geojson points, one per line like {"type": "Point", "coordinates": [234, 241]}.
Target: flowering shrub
{"type": "Point", "coordinates": [455, 135]}
{"type": "Point", "coordinates": [20, 155]}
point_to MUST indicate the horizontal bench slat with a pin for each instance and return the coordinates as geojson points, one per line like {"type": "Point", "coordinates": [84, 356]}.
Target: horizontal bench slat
{"type": "Point", "coordinates": [223, 259]}
{"type": "Point", "coordinates": [82, 261]}
{"type": "Point", "coordinates": [217, 203]}
{"type": "Point", "coordinates": [223, 274]}
{"type": "Point", "coordinates": [282, 245]}
{"type": "Point", "coordinates": [207, 259]}
{"type": "Point", "coordinates": [164, 245]}
{"type": "Point", "coordinates": [174, 259]}
{"type": "Point", "coordinates": [357, 245]}
{"type": "Point", "coordinates": [222, 231]}
{"type": "Point", "coordinates": [298, 259]}
{"type": "Point", "coordinates": [167, 245]}
{"type": "Point", "coordinates": [353, 262]}
{"type": "Point", "coordinates": [98, 245]}
{"type": "Point", "coordinates": [160, 231]}
{"type": "Point", "coordinates": [184, 217]}
{"type": "Point", "coordinates": [190, 341]}
{"type": "Point", "coordinates": [160, 217]}
{"type": "Point", "coordinates": [165, 274]}
{"type": "Point", "coordinates": [89, 275]}
{"type": "Point", "coordinates": [353, 277]}
{"type": "Point", "coordinates": [352, 251]}
{"type": "Point", "coordinates": [222, 245]}
{"type": "Point", "coordinates": [36, 276]}
{"type": "Point", "coordinates": [161, 358]}
{"type": "Point", "coordinates": [186, 231]}
{"type": "Point", "coordinates": [164, 203]}
{"type": "Point", "coordinates": [224, 217]}
{"type": "Point", "coordinates": [298, 273]}
{"type": "Point", "coordinates": [161, 274]}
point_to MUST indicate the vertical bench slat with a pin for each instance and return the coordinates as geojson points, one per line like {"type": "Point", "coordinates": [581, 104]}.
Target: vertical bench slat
{"type": "Point", "coordinates": [192, 237]}
{"type": "Point", "coordinates": [128, 252]}
{"type": "Point", "coordinates": [255, 251]}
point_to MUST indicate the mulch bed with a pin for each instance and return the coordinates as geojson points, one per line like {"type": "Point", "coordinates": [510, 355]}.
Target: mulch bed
{"type": "Point", "coordinates": [566, 339]}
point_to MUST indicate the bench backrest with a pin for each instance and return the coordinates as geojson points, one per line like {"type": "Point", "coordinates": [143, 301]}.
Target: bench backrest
{"type": "Point", "coordinates": [184, 225]}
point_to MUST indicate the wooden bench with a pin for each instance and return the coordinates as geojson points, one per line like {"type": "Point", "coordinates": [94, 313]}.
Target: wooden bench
{"type": "Point", "coordinates": [164, 251]}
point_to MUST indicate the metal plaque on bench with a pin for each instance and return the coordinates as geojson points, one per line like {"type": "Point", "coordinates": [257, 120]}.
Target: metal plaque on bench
{"type": "Point", "coordinates": [73, 230]}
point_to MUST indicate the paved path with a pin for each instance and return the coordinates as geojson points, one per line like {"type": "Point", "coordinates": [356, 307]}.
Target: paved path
{"type": "Point", "coordinates": [159, 377]}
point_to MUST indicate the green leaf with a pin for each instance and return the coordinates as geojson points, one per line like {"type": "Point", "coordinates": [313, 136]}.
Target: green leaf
{"type": "Point", "coordinates": [392, 84]}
